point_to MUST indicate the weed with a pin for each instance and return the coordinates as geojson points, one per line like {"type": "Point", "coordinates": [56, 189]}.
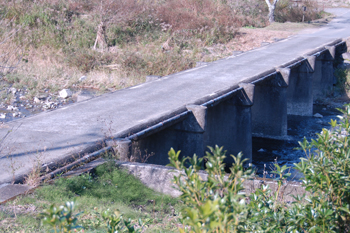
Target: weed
{"type": "Point", "coordinates": [138, 156]}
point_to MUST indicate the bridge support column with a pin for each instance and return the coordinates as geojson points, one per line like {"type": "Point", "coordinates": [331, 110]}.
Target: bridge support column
{"type": "Point", "coordinates": [186, 136]}
{"type": "Point", "coordinates": [299, 91]}
{"type": "Point", "coordinates": [269, 112]}
{"type": "Point", "coordinates": [323, 77]}
{"type": "Point", "coordinates": [229, 124]}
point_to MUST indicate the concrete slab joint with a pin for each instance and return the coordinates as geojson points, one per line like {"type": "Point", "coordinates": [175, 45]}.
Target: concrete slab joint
{"type": "Point", "coordinates": [200, 114]}
{"type": "Point", "coordinates": [285, 73]}
{"type": "Point", "coordinates": [331, 52]}
{"type": "Point", "coordinates": [311, 62]}
{"type": "Point", "coordinates": [246, 98]}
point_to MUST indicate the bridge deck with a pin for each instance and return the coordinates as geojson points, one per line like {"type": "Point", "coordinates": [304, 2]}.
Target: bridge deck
{"type": "Point", "coordinates": [55, 135]}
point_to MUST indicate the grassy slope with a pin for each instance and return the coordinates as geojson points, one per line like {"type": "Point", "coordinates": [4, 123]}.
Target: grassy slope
{"type": "Point", "coordinates": [107, 188]}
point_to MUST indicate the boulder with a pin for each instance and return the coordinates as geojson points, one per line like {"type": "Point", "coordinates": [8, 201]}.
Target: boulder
{"type": "Point", "coordinates": [36, 100]}
{"type": "Point", "coordinates": [65, 93]}
{"type": "Point", "coordinates": [13, 90]}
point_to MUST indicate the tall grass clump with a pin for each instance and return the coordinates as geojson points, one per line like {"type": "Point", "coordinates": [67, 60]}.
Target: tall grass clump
{"type": "Point", "coordinates": [213, 21]}
{"type": "Point", "coordinates": [303, 12]}
{"type": "Point", "coordinates": [254, 13]}
{"type": "Point", "coordinates": [71, 26]}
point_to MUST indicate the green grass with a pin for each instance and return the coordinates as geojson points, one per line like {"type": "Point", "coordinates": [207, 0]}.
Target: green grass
{"type": "Point", "coordinates": [107, 187]}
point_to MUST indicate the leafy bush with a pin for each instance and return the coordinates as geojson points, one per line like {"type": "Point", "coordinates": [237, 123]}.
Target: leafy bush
{"type": "Point", "coordinates": [61, 219]}
{"type": "Point", "coordinates": [219, 204]}
{"type": "Point", "coordinates": [327, 170]}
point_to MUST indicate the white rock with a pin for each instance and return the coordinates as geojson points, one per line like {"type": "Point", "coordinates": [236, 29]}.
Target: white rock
{"type": "Point", "coordinates": [82, 78]}
{"type": "Point", "coordinates": [12, 108]}
{"type": "Point", "coordinates": [15, 114]}
{"type": "Point", "coordinates": [2, 115]}
{"type": "Point", "coordinates": [13, 90]}
{"type": "Point", "coordinates": [36, 100]}
{"type": "Point", "coordinates": [261, 150]}
{"type": "Point", "coordinates": [65, 93]}
{"type": "Point", "coordinates": [317, 115]}
{"type": "Point", "coordinates": [50, 105]}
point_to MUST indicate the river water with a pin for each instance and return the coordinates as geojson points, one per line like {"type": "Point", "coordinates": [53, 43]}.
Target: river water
{"type": "Point", "coordinates": [266, 152]}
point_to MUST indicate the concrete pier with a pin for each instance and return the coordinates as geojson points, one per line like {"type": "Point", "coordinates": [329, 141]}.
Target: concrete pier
{"type": "Point", "coordinates": [229, 124]}
{"type": "Point", "coordinates": [323, 78]}
{"type": "Point", "coordinates": [269, 112]}
{"type": "Point", "coordinates": [300, 88]}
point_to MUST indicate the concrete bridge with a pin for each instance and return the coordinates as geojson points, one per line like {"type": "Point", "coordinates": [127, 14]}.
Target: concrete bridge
{"type": "Point", "coordinates": [223, 103]}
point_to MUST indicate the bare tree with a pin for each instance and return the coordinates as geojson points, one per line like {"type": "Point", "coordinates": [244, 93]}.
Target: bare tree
{"type": "Point", "coordinates": [272, 5]}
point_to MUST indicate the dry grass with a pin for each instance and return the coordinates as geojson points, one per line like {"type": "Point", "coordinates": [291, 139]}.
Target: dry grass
{"type": "Point", "coordinates": [143, 38]}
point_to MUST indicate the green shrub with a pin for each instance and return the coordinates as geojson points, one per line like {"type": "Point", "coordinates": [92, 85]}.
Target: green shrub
{"type": "Point", "coordinates": [327, 170]}
{"type": "Point", "coordinates": [219, 204]}
{"type": "Point", "coordinates": [61, 219]}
